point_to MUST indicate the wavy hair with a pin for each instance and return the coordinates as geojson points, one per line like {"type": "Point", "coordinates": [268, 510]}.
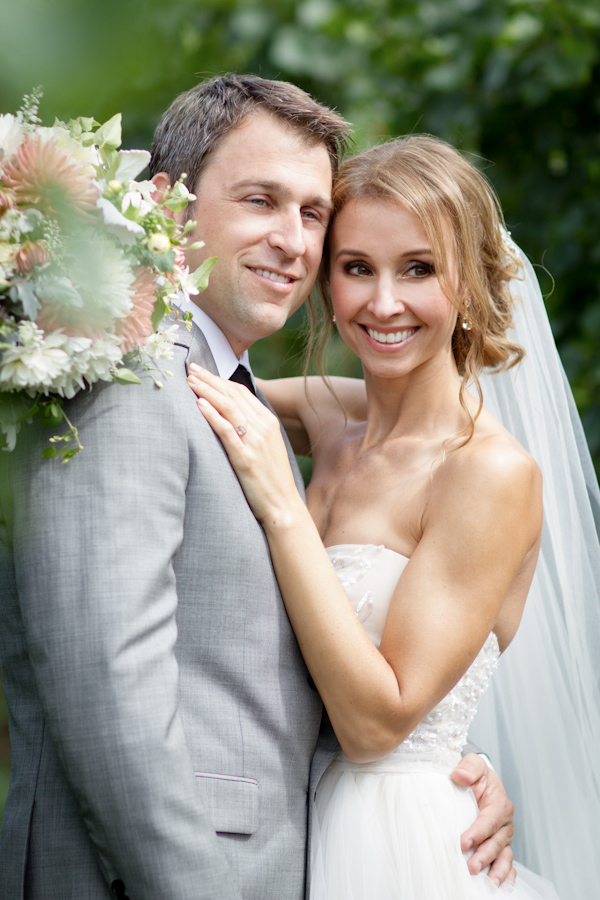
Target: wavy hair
{"type": "Point", "coordinates": [461, 215]}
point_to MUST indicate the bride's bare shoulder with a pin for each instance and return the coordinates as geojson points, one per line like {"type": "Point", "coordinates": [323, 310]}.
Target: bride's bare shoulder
{"type": "Point", "coordinates": [493, 470]}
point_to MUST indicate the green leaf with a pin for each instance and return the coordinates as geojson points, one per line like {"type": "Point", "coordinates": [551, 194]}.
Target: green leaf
{"type": "Point", "coordinates": [24, 294]}
{"type": "Point", "coordinates": [110, 158]}
{"type": "Point", "coordinates": [12, 407]}
{"type": "Point", "coordinates": [87, 123]}
{"type": "Point", "coordinates": [56, 288]}
{"type": "Point", "coordinates": [125, 376]}
{"type": "Point", "coordinates": [49, 452]}
{"type": "Point", "coordinates": [200, 277]}
{"type": "Point", "coordinates": [75, 127]}
{"type": "Point", "coordinates": [69, 454]}
{"type": "Point", "coordinates": [108, 135]}
{"type": "Point", "coordinates": [165, 262]}
{"type": "Point", "coordinates": [174, 204]}
{"type": "Point", "coordinates": [159, 312]}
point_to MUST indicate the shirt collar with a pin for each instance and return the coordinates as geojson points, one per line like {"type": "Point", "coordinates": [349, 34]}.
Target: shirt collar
{"type": "Point", "coordinates": [225, 359]}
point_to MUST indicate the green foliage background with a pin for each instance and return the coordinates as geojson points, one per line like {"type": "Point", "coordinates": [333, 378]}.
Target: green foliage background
{"type": "Point", "coordinates": [516, 83]}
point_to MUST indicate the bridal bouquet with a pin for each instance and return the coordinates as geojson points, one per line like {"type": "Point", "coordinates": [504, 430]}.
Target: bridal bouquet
{"type": "Point", "coordinates": [90, 264]}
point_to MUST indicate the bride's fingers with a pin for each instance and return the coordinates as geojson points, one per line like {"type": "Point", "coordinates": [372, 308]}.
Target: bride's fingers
{"type": "Point", "coordinates": [233, 401]}
{"type": "Point", "coordinates": [199, 379]}
{"type": "Point", "coordinates": [202, 381]}
{"type": "Point", "coordinates": [231, 436]}
{"type": "Point", "coordinates": [258, 456]}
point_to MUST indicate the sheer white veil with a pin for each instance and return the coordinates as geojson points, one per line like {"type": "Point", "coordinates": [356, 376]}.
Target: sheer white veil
{"type": "Point", "coordinates": [540, 721]}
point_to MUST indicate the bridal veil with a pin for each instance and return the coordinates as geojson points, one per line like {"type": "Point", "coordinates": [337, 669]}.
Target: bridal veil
{"type": "Point", "coordinates": [540, 721]}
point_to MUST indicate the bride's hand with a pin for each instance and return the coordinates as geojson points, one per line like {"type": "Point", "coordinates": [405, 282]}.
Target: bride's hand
{"type": "Point", "coordinates": [251, 436]}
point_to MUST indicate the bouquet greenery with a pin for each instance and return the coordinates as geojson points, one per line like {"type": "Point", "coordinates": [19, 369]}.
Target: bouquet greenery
{"type": "Point", "coordinates": [90, 263]}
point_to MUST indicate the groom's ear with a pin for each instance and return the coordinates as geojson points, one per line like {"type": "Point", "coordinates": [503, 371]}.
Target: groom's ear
{"type": "Point", "coordinates": [161, 182]}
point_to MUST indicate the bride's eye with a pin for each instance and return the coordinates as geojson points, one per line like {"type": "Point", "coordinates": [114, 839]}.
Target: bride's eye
{"type": "Point", "coordinates": [357, 268]}
{"type": "Point", "coordinates": [419, 269]}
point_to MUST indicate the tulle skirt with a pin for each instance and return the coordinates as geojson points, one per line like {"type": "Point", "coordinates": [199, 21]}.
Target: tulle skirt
{"type": "Point", "coordinates": [391, 830]}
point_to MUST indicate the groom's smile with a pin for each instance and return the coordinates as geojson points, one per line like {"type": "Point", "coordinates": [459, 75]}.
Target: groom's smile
{"type": "Point", "coordinates": [263, 206]}
{"type": "Point", "coordinates": [277, 277]}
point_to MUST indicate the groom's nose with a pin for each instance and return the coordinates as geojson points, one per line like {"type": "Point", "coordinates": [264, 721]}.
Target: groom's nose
{"type": "Point", "coordinates": [287, 233]}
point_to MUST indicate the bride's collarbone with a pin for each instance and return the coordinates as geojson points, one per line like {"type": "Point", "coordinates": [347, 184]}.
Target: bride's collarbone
{"type": "Point", "coordinates": [403, 468]}
{"type": "Point", "coordinates": [369, 504]}
{"type": "Point", "coordinates": [380, 495]}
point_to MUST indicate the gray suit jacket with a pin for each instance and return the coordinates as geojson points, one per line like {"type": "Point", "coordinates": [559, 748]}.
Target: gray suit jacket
{"type": "Point", "coordinates": [156, 692]}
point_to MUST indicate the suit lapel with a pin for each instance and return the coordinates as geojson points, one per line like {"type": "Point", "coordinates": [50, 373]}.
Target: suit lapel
{"type": "Point", "coordinates": [197, 348]}
{"type": "Point", "coordinates": [199, 353]}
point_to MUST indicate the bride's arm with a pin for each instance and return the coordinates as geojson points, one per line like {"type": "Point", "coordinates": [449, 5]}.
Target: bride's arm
{"type": "Point", "coordinates": [476, 535]}
{"type": "Point", "coordinates": [304, 405]}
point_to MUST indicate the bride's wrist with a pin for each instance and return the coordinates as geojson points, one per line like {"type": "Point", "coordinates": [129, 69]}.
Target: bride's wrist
{"type": "Point", "coordinates": [282, 518]}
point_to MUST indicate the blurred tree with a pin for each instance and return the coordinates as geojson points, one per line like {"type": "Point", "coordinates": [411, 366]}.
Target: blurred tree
{"type": "Point", "coordinates": [513, 82]}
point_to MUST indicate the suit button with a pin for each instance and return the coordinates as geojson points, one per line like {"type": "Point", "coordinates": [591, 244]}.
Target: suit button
{"type": "Point", "coordinates": [118, 889]}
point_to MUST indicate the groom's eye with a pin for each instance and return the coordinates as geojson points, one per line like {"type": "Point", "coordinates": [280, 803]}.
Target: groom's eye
{"type": "Point", "coordinates": [311, 215]}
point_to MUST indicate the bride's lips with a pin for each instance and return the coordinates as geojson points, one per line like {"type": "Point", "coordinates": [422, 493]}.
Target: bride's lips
{"type": "Point", "coordinates": [389, 340]}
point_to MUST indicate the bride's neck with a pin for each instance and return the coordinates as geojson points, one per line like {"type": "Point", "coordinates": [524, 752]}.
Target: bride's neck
{"type": "Point", "coordinates": [424, 403]}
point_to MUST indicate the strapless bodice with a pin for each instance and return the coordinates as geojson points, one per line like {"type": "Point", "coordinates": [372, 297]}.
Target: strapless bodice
{"type": "Point", "coordinates": [369, 575]}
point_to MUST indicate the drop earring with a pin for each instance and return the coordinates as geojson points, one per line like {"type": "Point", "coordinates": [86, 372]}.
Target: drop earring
{"type": "Point", "coordinates": [333, 320]}
{"type": "Point", "coordinates": [466, 324]}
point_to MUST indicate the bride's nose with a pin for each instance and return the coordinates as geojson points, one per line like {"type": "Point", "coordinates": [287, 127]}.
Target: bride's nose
{"type": "Point", "coordinates": [386, 300]}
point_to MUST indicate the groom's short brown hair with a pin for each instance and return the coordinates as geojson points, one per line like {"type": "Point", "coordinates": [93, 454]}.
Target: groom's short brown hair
{"type": "Point", "coordinates": [198, 120]}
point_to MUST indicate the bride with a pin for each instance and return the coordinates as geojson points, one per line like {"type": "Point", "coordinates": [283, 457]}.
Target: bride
{"type": "Point", "coordinates": [430, 510]}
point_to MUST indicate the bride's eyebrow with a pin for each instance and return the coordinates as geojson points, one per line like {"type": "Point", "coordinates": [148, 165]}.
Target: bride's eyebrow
{"type": "Point", "coordinates": [345, 252]}
{"type": "Point", "coordinates": [420, 251]}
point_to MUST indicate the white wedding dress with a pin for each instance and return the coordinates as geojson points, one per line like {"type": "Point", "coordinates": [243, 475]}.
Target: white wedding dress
{"type": "Point", "coordinates": [390, 830]}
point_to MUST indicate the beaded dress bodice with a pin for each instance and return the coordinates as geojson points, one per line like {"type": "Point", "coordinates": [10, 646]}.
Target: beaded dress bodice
{"type": "Point", "coordinates": [369, 575]}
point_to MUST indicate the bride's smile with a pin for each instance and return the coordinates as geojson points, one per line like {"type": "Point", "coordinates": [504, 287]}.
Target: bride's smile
{"type": "Point", "coordinates": [388, 301]}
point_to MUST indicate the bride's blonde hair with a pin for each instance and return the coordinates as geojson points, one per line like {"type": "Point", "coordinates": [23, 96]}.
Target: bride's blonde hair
{"type": "Point", "coordinates": [461, 216]}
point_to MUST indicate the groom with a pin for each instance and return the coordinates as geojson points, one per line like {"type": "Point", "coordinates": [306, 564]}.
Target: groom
{"type": "Point", "coordinates": [162, 719]}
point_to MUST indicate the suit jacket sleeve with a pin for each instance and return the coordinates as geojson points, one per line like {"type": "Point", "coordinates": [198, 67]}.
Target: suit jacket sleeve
{"type": "Point", "coordinates": [94, 542]}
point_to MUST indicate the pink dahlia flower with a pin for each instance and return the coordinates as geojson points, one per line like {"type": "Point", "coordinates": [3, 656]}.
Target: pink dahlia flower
{"type": "Point", "coordinates": [134, 328]}
{"type": "Point", "coordinates": [43, 176]}
{"type": "Point", "coordinates": [31, 255]}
